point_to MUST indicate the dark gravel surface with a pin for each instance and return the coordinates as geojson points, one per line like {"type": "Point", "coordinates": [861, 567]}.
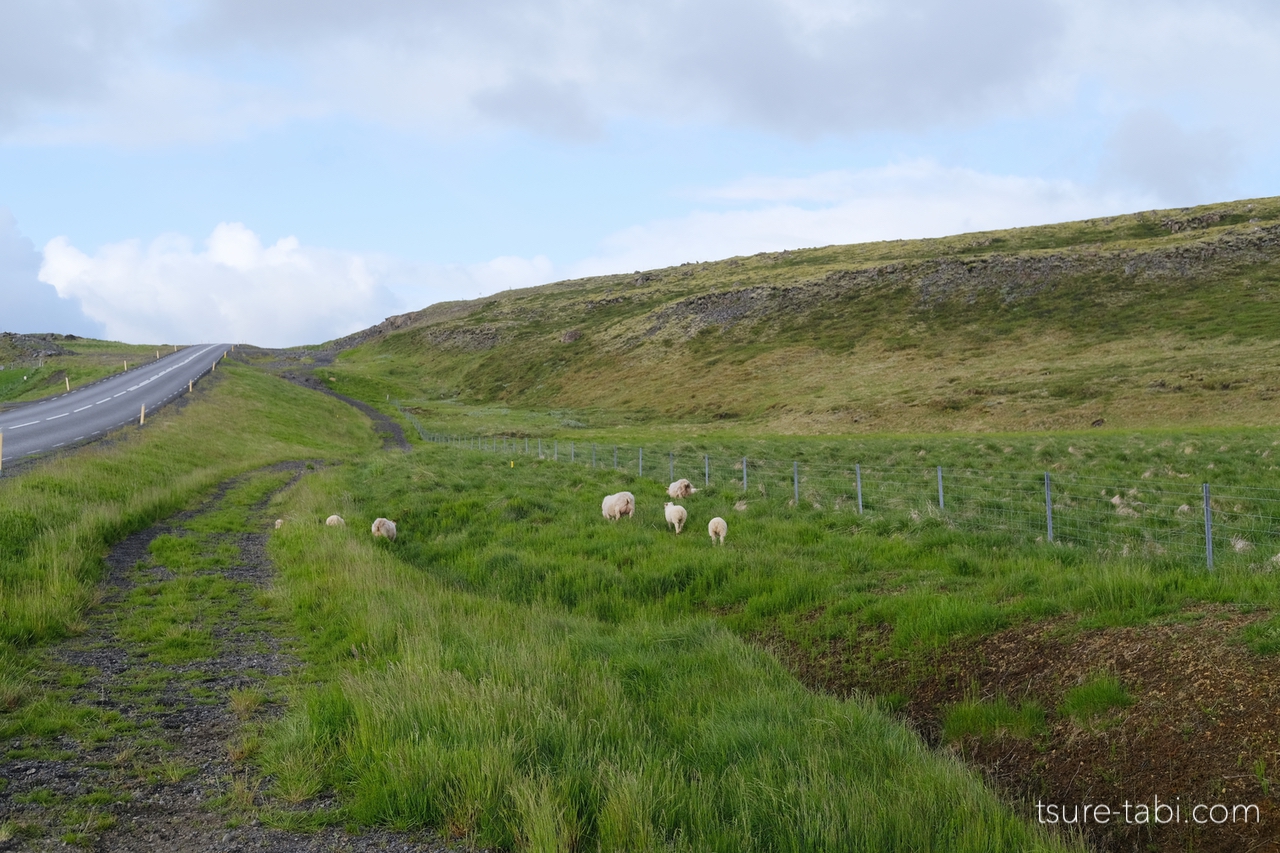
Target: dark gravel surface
{"type": "Point", "coordinates": [167, 768]}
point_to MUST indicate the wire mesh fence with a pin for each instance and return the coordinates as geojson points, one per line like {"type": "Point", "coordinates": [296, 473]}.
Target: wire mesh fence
{"type": "Point", "coordinates": [1164, 520]}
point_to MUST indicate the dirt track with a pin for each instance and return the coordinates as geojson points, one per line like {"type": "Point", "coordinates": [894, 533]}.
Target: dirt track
{"type": "Point", "coordinates": [168, 767]}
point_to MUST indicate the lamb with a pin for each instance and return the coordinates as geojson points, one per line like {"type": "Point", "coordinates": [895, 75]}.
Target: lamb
{"type": "Point", "coordinates": [615, 506]}
{"type": "Point", "coordinates": [279, 523]}
{"type": "Point", "coordinates": [676, 515]}
{"type": "Point", "coordinates": [717, 528]}
{"type": "Point", "coordinates": [681, 488]}
{"type": "Point", "coordinates": [335, 521]}
{"type": "Point", "coordinates": [385, 528]}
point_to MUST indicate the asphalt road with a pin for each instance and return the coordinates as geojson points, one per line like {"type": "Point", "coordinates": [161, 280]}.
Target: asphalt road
{"type": "Point", "coordinates": [89, 412]}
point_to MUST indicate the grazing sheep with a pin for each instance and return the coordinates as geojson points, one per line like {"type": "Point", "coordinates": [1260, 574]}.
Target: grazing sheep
{"type": "Point", "coordinates": [717, 528]}
{"type": "Point", "coordinates": [676, 515]}
{"type": "Point", "coordinates": [615, 506]}
{"type": "Point", "coordinates": [335, 521]}
{"type": "Point", "coordinates": [384, 527]}
{"type": "Point", "coordinates": [279, 523]}
{"type": "Point", "coordinates": [681, 488]}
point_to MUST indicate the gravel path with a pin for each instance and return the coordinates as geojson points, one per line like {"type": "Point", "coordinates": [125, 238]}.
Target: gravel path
{"type": "Point", "coordinates": [163, 768]}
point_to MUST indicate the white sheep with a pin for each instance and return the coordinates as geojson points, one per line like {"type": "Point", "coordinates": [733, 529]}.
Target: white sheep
{"type": "Point", "coordinates": [335, 521]}
{"type": "Point", "coordinates": [675, 515]}
{"type": "Point", "coordinates": [615, 506]}
{"type": "Point", "coordinates": [384, 527]}
{"type": "Point", "coordinates": [717, 528]}
{"type": "Point", "coordinates": [681, 488]}
{"type": "Point", "coordinates": [279, 523]}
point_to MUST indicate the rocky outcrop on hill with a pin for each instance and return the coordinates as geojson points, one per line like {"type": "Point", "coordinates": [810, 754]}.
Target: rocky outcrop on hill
{"type": "Point", "coordinates": [14, 346]}
{"type": "Point", "coordinates": [934, 283]}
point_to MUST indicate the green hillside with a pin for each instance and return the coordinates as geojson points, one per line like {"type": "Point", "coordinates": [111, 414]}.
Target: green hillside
{"type": "Point", "coordinates": [1163, 317]}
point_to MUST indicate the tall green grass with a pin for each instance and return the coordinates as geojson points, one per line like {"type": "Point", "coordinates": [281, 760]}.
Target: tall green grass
{"type": "Point", "coordinates": [58, 517]}
{"type": "Point", "coordinates": [533, 533]}
{"type": "Point", "coordinates": [524, 724]}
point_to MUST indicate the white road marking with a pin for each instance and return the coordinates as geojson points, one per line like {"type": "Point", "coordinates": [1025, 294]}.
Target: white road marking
{"type": "Point", "coordinates": [81, 409]}
{"type": "Point", "coordinates": [121, 394]}
{"type": "Point", "coordinates": [100, 402]}
{"type": "Point", "coordinates": [55, 417]}
{"type": "Point", "coordinates": [28, 423]}
{"type": "Point", "coordinates": [60, 443]}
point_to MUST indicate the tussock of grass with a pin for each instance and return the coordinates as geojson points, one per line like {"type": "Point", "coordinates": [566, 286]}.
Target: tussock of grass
{"type": "Point", "coordinates": [523, 725]}
{"type": "Point", "coordinates": [1100, 695]}
{"type": "Point", "coordinates": [986, 719]}
{"type": "Point", "coordinates": [245, 701]}
{"type": "Point", "coordinates": [1262, 638]}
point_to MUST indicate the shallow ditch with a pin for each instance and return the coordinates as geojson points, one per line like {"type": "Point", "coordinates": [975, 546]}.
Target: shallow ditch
{"type": "Point", "coordinates": [1201, 724]}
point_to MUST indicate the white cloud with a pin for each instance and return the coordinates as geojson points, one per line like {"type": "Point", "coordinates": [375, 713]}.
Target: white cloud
{"type": "Point", "coordinates": [237, 289]}
{"type": "Point", "coordinates": [908, 200]}
{"type": "Point", "coordinates": [137, 70]}
{"type": "Point", "coordinates": [26, 303]}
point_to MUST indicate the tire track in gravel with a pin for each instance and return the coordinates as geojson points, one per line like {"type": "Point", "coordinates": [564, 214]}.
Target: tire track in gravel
{"type": "Point", "coordinates": [158, 760]}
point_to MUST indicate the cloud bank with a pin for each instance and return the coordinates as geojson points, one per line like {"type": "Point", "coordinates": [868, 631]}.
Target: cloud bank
{"type": "Point", "coordinates": [147, 72]}
{"type": "Point", "coordinates": [235, 288]}
{"type": "Point", "coordinates": [26, 303]}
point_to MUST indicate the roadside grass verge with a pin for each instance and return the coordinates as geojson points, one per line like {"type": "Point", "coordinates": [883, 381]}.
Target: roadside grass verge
{"type": "Point", "coordinates": [522, 723]}
{"type": "Point", "coordinates": [58, 517]}
{"type": "Point", "coordinates": [87, 360]}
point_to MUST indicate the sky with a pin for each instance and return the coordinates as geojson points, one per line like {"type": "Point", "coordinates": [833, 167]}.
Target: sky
{"type": "Point", "coordinates": [283, 172]}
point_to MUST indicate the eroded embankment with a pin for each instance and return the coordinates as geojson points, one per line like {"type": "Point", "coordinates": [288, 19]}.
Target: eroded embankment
{"type": "Point", "coordinates": [1195, 721]}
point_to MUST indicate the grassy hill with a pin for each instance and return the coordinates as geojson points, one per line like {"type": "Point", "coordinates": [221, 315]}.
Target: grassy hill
{"type": "Point", "coordinates": [1163, 317]}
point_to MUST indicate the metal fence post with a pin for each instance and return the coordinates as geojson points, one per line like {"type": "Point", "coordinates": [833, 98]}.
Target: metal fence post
{"type": "Point", "coordinates": [941, 505]}
{"type": "Point", "coordinates": [857, 474]}
{"type": "Point", "coordinates": [556, 450]}
{"type": "Point", "coordinates": [795, 480]}
{"type": "Point", "coordinates": [641, 462]}
{"type": "Point", "coordinates": [539, 448]}
{"type": "Point", "coordinates": [744, 473]}
{"type": "Point", "coordinates": [593, 454]}
{"type": "Point", "coordinates": [615, 457]}
{"type": "Point", "coordinates": [1048, 505]}
{"type": "Point", "coordinates": [671, 465]}
{"type": "Point", "coordinates": [706, 461]}
{"type": "Point", "coordinates": [571, 453]}
{"type": "Point", "coordinates": [1208, 529]}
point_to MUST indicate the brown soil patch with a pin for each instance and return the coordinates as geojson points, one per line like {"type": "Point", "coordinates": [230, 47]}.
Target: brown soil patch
{"type": "Point", "coordinates": [1204, 727]}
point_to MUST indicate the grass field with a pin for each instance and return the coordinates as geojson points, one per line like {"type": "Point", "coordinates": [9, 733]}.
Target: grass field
{"type": "Point", "coordinates": [58, 516]}
{"type": "Point", "coordinates": [28, 377]}
{"type": "Point", "coordinates": [528, 695]}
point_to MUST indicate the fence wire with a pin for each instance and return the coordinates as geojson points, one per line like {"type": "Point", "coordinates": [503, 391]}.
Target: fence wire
{"type": "Point", "coordinates": [1171, 521]}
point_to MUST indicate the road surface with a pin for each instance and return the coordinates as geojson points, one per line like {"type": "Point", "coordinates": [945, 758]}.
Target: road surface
{"type": "Point", "coordinates": [86, 413]}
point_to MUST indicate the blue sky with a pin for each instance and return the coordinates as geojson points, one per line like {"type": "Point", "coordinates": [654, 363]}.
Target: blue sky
{"type": "Point", "coordinates": [287, 172]}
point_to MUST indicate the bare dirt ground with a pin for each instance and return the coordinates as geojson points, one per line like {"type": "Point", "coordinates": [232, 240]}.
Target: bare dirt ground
{"type": "Point", "coordinates": [1203, 728]}
{"type": "Point", "coordinates": [169, 769]}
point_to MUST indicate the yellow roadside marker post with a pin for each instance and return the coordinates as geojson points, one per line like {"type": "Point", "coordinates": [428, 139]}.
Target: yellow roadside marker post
{"type": "Point", "coordinates": [142, 417]}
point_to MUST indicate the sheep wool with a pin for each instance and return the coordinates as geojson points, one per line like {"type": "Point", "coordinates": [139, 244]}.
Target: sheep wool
{"type": "Point", "coordinates": [676, 515]}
